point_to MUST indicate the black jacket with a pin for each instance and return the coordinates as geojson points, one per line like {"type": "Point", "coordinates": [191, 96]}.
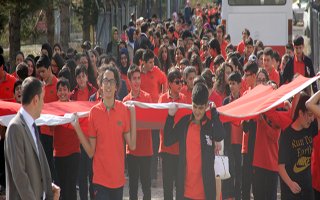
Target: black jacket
{"type": "Point", "coordinates": [143, 42]}
{"type": "Point", "coordinates": [287, 74]}
{"type": "Point", "coordinates": [210, 131]}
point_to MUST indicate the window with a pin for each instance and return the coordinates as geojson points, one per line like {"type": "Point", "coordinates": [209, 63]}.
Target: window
{"type": "Point", "coordinates": [256, 2]}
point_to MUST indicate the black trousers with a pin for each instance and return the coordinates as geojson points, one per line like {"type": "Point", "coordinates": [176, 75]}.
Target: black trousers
{"type": "Point", "coordinates": [169, 174]}
{"type": "Point", "coordinates": [265, 184]}
{"type": "Point", "coordinates": [155, 156]}
{"type": "Point", "coordinates": [104, 193]}
{"type": "Point", "coordinates": [236, 150]}
{"type": "Point", "coordinates": [85, 176]}
{"type": "Point", "coordinates": [247, 172]}
{"type": "Point", "coordinates": [316, 194]}
{"type": "Point", "coordinates": [139, 167]}
{"type": "Point", "coordinates": [67, 173]}
{"type": "Point", "coordinates": [47, 143]}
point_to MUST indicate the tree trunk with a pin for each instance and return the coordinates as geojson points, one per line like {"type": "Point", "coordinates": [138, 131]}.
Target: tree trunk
{"type": "Point", "coordinates": [86, 20]}
{"type": "Point", "coordinates": [50, 22]}
{"type": "Point", "coordinates": [14, 35]}
{"type": "Point", "coordinates": [65, 24]}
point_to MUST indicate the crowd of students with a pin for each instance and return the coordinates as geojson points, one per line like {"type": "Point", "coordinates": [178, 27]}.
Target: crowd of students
{"type": "Point", "coordinates": [186, 59]}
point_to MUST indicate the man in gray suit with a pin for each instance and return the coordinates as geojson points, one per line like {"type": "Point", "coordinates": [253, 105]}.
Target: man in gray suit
{"type": "Point", "coordinates": [27, 170]}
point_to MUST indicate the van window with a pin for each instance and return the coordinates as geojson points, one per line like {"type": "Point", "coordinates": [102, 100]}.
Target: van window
{"type": "Point", "coordinates": [256, 2]}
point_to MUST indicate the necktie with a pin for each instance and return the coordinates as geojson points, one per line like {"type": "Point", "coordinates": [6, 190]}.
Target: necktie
{"type": "Point", "coordinates": [36, 131]}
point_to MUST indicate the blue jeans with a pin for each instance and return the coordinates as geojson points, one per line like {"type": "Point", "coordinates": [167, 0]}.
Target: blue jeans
{"type": "Point", "coordinates": [104, 193]}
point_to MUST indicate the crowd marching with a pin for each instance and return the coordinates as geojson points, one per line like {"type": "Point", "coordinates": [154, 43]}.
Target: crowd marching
{"type": "Point", "coordinates": [186, 59]}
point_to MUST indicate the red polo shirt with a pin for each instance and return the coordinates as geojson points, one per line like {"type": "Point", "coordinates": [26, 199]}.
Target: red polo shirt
{"type": "Point", "coordinates": [193, 186]}
{"type": "Point", "coordinates": [65, 141]}
{"type": "Point", "coordinates": [298, 66]}
{"type": "Point", "coordinates": [240, 47]}
{"type": "Point", "coordinates": [144, 137]}
{"type": "Point", "coordinates": [151, 82]}
{"type": "Point", "coordinates": [51, 91]}
{"type": "Point", "coordinates": [108, 128]}
{"type": "Point", "coordinates": [6, 88]}
{"type": "Point", "coordinates": [274, 76]}
{"type": "Point", "coordinates": [173, 149]}
{"type": "Point", "coordinates": [187, 93]}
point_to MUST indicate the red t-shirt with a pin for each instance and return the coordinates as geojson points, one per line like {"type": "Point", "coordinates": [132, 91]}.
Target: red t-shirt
{"type": "Point", "coordinates": [173, 149]}
{"type": "Point", "coordinates": [6, 88]}
{"type": "Point", "coordinates": [298, 66]}
{"type": "Point", "coordinates": [51, 91]}
{"type": "Point", "coordinates": [266, 146]}
{"type": "Point", "coordinates": [217, 98]}
{"type": "Point", "coordinates": [65, 141]}
{"type": "Point", "coordinates": [223, 46]}
{"type": "Point", "coordinates": [108, 128]}
{"type": "Point", "coordinates": [274, 76]}
{"type": "Point", "coordinates": [240, 47]}
{"type": "Point", "coordinates": [315, 163]}
{"type": "Point", "coordinates": [193, 186]}
{"type": "Point", "coordinates": [151, 82]}
{"type": "Point", "coordinates": [144, 137]}
{"type": "Point", "coordinates": [236, 134]}
{"type": "Point", "coordinates": [187, 93]}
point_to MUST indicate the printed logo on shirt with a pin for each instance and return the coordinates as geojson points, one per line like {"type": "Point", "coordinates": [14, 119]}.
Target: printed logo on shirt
{"type": "Point", "coordinates": [119, 123]}
{"type": "Point", "coordinates": [209, 140]}
{"type": "Point", "coordinates": [51, 92]}
{"type": "Point", "coordinates": [302, 164]}
{"type": "Point", "coordinates": [151, 77]}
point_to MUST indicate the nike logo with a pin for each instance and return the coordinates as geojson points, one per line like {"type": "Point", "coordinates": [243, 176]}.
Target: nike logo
{"type": "Point", "coordinates": [302, 164]}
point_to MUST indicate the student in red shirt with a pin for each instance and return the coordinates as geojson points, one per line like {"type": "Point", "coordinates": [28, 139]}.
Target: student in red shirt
{"type": "Point", "coordinates": [220, 36]}
{"type": "Point", "coordinates": [170, 153]}
{"type": "Point", "coordinates": [245, 35]}
{"type": "Point", "coordinates": [84, 89]}
{"type": "Point", "coordinates": [231, 188]}
{"type": "Point", "coordinates": [248, 50]}
{"type": "Point", "coordinates": [214, 49]}
{"type": "Point", "coordinates": [268, 65]}
{"type": "Point", "coordinates": [189, 73]}
{"type": "Point", "coordinates": [66, 150]}
{"type": "Point", "coordinates": [196, 134]}
{"type": "Point", "coordinates": [109, 128]}
{"type": "Point", "coordinates": [6, 83]}
{"type": "Point", "coordinates": [139, 160]}
{"type": "Point", "coordinates": [50, 81]}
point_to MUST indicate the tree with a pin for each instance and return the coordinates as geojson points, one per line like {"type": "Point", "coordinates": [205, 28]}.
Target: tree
{"type": "Point", "coordinates": [50, 21]}
{"type": "Point", "coordinates": [64, 6]}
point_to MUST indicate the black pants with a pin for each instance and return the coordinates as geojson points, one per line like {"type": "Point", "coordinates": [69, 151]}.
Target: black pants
{"type": "Point", "coordinates": [155, 156]}
{"type": "Point", "coordinates": [139, 167]}
{"type": "Point", "coordinates": [2, 165]}
{"type": "Point", "coordinates": [247, 172]}
{"type": "Point", "coordinates": [316, 194]}
{"type": "Point", "coordinates": [85, 176]}
{"type": "Point", "coordinates": [265, 184]}
{"type": "Point", "coordinates": [236, 150]}
{"type": "Point", "coordinates": [104, 193]}
{"type": "Point", "coordinates": [47, 143]}
{"type": "Point", "coordinates": [67, 173]}
{"type": "Point", "coordinates": [169, 174]}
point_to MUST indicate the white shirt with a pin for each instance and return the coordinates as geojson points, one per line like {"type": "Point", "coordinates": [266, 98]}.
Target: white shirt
{"type": "Point", "coordinates": [29, 121]}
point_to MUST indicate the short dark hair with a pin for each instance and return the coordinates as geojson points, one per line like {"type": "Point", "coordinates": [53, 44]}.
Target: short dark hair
{"type": "Point", "coordinates": [22, 70]}
{"type": "Point", "coordinates": [251, 67]}
{"type": "Point", "coordinates": [214, 44]}
{"type": "Point", "coordinates": [248, 42]}
{"type": "Point", "coordinates": [188, 70]}
{"type": "Point", "coordinates": [81, 68]}
{"type": "Point", "coordinates": [268, 52]}
{"type": "Point", "coordinates": [147, 55]}
{"type": "Point", "coordinates": [43, 61]}
{"type": "Point", "coordinates": [144, 27]}
{"type": "Point", "coordinates": [276, 56]}
{"type": "Point", "coordinates": [132, 69]}
{"type": "Point", "coordinates": [298, 41]}
{"type": "Point", "coordinates": [64, 73]}
{"type": "Point", "coordinates": [30, 88]}
{"type": "Point", "coordinates": [289, 45]}
{"type": "Point", "coordinates": [200, 94]}
{"type": "Point", "coordinates": [173, 74]}
{"type": "Point", "coordinates": [16, 84]}
{"type": "Point", "coordinates": [208, 75]}
{"type": "Point", "coordinates": [246, 31]}
{"type": "Point", "coordinates": [218, 60]}
{"type": "Point", "coordinates": [235, 76]}
{"type": "Point", "coordinates": [301, 105]}
{"type": "Point", "coordinates": [63, 82]}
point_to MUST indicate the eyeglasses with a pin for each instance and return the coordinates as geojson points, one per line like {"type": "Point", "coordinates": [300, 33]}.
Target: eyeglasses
{"type": "Point", "coordinates": [112, 82]}
{"type": "Point", "coordinates": [177, 82]}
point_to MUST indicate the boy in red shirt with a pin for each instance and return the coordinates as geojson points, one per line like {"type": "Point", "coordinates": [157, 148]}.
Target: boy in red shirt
{"type": "Point", "coordinates": [196, 134]}
{"type": "Point", "coordinates": [6, 83]}
{"type": "Point", "coordinates": [170, 154]}
{"type": "Point", "coordinates": [189, 73]}
{"type": "Point", "coordinates": [232, 144]}
{"type": "Point", "coordinates": [66, 149]}
{"type": "Point", "coordinates": [109, 127]}
{"type": "Point", "coordinates": [268, 65]}
{"type": "Point", "coordinates": [84, 89]}
{"type": "Point", "coordinates": [139, 160]}
{"type": "Point", "coordinates": [245, 35]}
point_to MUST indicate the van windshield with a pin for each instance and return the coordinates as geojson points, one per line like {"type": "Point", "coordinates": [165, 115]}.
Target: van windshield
{"type": "Point", "coordinates": [256, 2]}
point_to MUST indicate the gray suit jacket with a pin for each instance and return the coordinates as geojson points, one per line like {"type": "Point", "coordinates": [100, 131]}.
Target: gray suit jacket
{"type": "Point", "coordinates": [27, 173]}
